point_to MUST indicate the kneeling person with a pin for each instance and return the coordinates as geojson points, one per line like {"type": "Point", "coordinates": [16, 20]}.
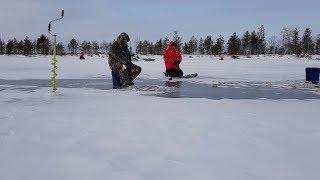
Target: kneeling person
{"type": "Point", "coordinates": [120, 61]}
{"type": "Point", "coordinates": [173, 58]}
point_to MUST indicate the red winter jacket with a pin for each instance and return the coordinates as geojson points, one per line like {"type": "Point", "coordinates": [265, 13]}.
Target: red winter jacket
{"type": "Point", "coordinates": [171, 57]}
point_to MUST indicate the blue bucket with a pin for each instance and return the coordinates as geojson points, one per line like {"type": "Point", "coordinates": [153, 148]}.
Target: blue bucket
{"type": "Point", "coordinates": [312, 75]}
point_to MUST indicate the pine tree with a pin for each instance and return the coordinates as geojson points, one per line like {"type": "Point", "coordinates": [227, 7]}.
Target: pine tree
{"type": "Point", "coordinates": [158, 47]}
{"type": "Point", "coordinates": [307, 43]}
{"type": "Point", "coordinates": [295, 47]}
{"type": "Point", "coordinates": [27, 50]}
{"type": "Point", "coordinates": [254, 42]}
{"type": "Point", "coordinates": [61, 49]}
{"type": "Point", "coordinates": [73, 46]}
{"type": "Point", "coordinates": [43, 45]}
{"type": "Point", "coordinates": [145, 48]}
{"type": "Point", "coordinates": [318, 45]}
{"type": "Point", "coordinates": [262, 41]}
{"type": "Point", "coordinates": [95, 48]}
{"type": "Point", "coordinates": [208, 45]}
{"type": "Point", "coordinates": [193, 45]}
{"type": "Point", "coordinates": [218, 46]}
{"type": "Point", "coordinates": [234, 45]}
{"type": "Point", "coordinates": [20, 47]}
{"type": "Point", "coordinates": [202, 50]}
{"type": "Point", "coordinates": [150, 48]}
{"type": "Point", "coordinates": [177, 39]}
{"type": "Point", "coordinates": [185, 49]}
{"type": "Point", "coordinates": [2, 47]}
{"type": "Point", "coordinates": [281, 50]}
{"type": "Point", "coordinates": [34, 47]}
{"type": "Point", "coordinates": [245, 44]}
{"type": "Point", "coordinates": [9, 47]}
{"type": "Point", "coordinates": [15, 49]}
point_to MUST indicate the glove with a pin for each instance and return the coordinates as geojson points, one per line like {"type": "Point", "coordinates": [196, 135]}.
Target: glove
{"type": "Point", "coordinates": [124, 67]}
{"type": "Point", "coordinates": [176, 62]}
{"type": "Point", "coordinates": [128, 66]}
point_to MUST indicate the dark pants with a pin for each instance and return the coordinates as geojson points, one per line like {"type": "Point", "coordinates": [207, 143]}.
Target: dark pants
{"type": "Point", "coordinates": [174, 72]}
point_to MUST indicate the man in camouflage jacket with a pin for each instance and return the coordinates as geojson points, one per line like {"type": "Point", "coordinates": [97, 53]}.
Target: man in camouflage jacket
{"type": "Point", "coordinates": [120, 61]}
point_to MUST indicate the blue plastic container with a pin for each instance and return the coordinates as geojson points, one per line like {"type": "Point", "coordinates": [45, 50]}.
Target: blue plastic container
{"type": "Point", "coordinates": [115, 80]}
{"type": "Point", "coordinates": [312, 75]}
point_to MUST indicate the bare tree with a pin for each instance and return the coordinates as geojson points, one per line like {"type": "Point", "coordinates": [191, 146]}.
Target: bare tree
{"type": "Point", "coordinates": [273, 45]}
{"type": "Point", "coordinates": [95, 48]}
{"type": "Point", "coordinates": [286, 39]}
{"type": "Point", "coordinates": [86, 47]}
{"type": "Point", "coordinates": [105, 47]}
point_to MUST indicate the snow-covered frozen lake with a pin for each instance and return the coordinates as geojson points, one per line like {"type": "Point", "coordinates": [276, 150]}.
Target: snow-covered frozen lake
{"type": "Point", "coordinates": [240, 119]}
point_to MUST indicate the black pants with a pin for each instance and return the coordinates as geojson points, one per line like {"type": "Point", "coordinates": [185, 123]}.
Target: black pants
{"type": "Point", "coordinates": [174, 72]}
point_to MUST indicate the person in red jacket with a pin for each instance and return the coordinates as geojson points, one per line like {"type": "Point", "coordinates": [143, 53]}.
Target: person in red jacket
{"type": "Point", "coordinates": [82, 56]}
{"type": "Point", "coordinates": [172, 58]}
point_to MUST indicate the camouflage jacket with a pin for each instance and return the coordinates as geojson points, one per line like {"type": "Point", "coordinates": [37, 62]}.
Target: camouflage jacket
{"type": "Point", "coordinates": [118, 54]}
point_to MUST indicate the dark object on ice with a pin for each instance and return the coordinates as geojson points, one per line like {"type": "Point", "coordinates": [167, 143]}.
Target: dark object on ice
{"type": "Point", "coordinates": [312, 75]}
{"type": "Point", "coordinates": [221, 58]}
{"type": "Point", "coordinates": [82, 56]}
{"type": "Point", "coordinates": [190, 76]}
{"type": "Point", "coordinates": [120, 61]}
{"type": "Point", "coordinates": [148, 59]}
{"type": "Point", "coordinates": [174, 73]}
{"type": "Point", "coordinates": [235, 57]}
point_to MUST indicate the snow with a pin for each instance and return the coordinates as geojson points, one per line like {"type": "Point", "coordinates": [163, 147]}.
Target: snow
{"type": "Point", "coordinates": [90, 133]}
{"type": "Point", "coordinates": [263, 68]}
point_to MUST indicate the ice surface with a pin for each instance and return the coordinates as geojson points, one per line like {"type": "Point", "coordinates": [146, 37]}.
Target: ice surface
{"type": "Point", "coordinates": [89, 131]}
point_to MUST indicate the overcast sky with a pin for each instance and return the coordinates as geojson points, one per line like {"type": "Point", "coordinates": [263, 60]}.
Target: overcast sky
{"type": "Point", "coordinates": [146, 19]}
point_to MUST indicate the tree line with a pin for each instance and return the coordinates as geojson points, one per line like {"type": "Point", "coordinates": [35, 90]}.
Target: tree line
{"type": "Point", "coordinates": [250, 43]}
{"type": "Point", "coordinates": [291, 42]}
{"type": "Point", "coordinates": [43, 46]}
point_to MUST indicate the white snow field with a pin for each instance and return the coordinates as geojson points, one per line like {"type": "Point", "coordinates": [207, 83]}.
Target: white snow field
{"type": "Point", "coordinates": [88, 131]}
